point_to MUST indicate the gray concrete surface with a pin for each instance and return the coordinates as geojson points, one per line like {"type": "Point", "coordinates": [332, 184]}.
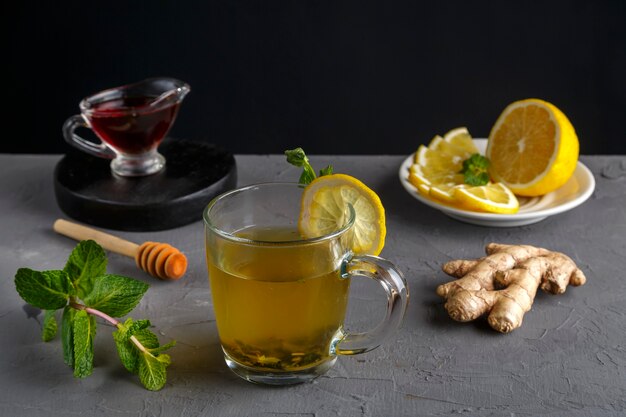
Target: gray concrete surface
{"type": "Point", "coordinates": [568, 358]}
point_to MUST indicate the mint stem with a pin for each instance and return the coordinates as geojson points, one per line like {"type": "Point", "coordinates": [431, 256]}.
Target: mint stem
{"type": "Point", "coordinates": [102, 315]}
{"type": "Point", "coordinates": [108, 318]}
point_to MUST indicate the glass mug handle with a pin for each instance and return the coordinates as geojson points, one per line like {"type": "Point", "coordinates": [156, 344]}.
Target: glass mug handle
{"type": "Point", "coordinates": [73, 123]}
{"type": "Point", "coordinates": [394, 284]}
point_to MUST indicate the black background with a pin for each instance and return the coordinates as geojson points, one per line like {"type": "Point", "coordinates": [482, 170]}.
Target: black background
{"type": "Point", "coordinates": [331, 76]}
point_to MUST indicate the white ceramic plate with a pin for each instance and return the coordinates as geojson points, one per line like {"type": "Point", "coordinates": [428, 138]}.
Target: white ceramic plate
{"type": "Point", "coordinates": [532, 210]}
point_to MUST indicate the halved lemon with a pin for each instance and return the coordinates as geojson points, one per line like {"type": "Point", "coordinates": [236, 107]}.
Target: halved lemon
{"type": "Point", "coordinates": [323, 209]}
{"type": "Point", "coordinates": [492, 198]}
{"type": "Point", "coordinates": [533, 148]}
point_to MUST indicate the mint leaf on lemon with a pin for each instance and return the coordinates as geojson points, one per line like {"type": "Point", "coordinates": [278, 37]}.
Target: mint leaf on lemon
{"type": "Point", "coordinates": [475, 170]}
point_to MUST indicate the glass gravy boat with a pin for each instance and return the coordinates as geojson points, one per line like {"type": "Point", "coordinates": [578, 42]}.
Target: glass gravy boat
{"type": "Point", "coordinates": [131, 121]}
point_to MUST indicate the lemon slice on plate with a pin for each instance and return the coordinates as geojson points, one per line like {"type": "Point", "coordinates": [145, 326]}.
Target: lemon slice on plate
{"type": "Point", "coordinates": [456, 144]}
{"type": "Point", "coordinates": [323, 211]}
{"type": "Point", "coordinates": [441, 161]}
{"type": "Point", "coordinates": [533, 148]}
{"type": "Point", "coordinates": [493, 198]}
{"type": "Point", "coordinates": [446, 193]}
{"type": "Point", "coordinates": [436, 173]}
{"type": "Point", "coordinates": [419, 175]}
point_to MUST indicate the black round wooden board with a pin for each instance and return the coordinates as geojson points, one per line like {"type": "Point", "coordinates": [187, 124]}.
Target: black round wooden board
{"type": "Point", "coordinates": [194, 173]}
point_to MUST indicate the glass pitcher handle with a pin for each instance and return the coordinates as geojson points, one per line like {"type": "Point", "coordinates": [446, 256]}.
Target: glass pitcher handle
{"type": "Point", "coordinates": [73, 139]}
{"type": "Point", "coordinates": [394, 284]}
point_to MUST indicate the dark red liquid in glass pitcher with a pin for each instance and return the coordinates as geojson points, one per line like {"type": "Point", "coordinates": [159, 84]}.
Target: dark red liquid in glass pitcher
{"type": "Point", "coordinates": [132, 125]}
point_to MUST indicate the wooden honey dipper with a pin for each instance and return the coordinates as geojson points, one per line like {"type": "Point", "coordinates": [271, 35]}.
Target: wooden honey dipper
{"type": "Point", "coordinates": [158, 259]}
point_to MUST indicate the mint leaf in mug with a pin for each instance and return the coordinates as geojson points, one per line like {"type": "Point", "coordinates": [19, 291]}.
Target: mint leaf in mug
{"type": "Point", "coordinates": [298, 158]}
{"type": "Point", "coordinates": [326, 171]}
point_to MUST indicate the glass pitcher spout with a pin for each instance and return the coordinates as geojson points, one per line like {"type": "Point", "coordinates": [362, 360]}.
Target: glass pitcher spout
{"type": "Point", "coordinates": [176, 92]}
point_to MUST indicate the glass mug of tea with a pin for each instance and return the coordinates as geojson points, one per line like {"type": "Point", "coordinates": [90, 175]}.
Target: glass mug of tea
{"type": "Point", "coordinates": [131, 121]}
{"type": "Point", "coordinates": [279, 299]}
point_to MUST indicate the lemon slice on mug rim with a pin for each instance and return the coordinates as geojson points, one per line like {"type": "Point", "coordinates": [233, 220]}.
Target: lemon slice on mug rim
{"type": "Point", "coordinates": [323, 209]}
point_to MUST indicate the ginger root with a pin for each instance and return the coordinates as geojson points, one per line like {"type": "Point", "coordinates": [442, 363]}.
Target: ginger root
{"type": "Point", "coordinates": [504, 283]}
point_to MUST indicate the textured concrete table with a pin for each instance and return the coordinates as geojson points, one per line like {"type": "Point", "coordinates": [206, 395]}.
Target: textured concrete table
{"type": "Point", "coordinates": [568, 358]}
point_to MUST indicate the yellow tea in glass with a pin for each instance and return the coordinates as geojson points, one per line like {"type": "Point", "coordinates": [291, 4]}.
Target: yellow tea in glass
{"type": "Point", "coordinates": [280, 300]}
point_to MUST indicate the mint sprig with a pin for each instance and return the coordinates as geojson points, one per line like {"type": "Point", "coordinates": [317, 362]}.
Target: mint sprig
{"type": "Point", "coordinates": [84, 291]}
{"type": "Point", "coordinates": [298, 158]}
{"type": "Point", "coordinates": [475, 170]}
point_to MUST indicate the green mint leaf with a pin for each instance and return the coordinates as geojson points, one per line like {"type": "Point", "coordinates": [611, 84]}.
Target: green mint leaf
{"type": "Point", "coordinates": [298, 158]}
{"type": "Point", "coordinates": [307, 176]}
{"type": "Point", "coordinates": [67, 335]}
{"type": "Point", "coordinates": [163, 348]}
{"type": "Point", "coordinates": [115, 295]}
{"type": "Point", "coordinates": [152, 370]}
{"type": "Point", "coordinates": [84, 334]}
{"type": "Point", "coordinates": [86, 262]}
{"type": "Point", "coordinates": [49, 326]}
{"type": "Point", "coordinates": [476, 179]}
{"type": "Point", "coordinates": [137, 325]}
{"type": "Point", "coordinates": [148, 339]}
{"type": "Point", "coordinates": [127, 351]}
{"type": "Point", "coordinates": [475, 170]}
{"type": "Point", "coordinates": [129, 355]}
{"type": "Point", "coordinates": [326, 171]}
{"type": "Point", "coordinates": [48, 290]}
